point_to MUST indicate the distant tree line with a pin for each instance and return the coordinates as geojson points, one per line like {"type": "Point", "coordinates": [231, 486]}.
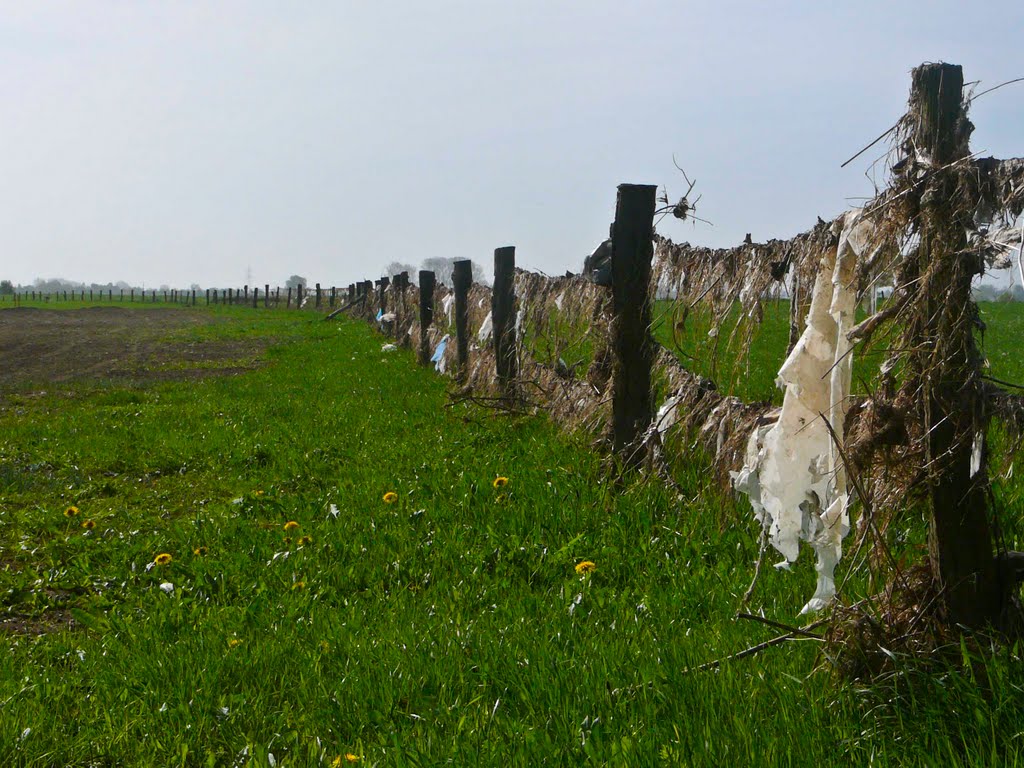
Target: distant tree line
{"type": "Point", "coordinates": [441, 266]}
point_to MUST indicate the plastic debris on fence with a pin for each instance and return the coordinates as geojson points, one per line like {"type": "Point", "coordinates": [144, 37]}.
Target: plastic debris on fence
{"type": "Point", "coordinates": [793, 473]}
{"type": "Point", "coordinates": [438, 357]}
{"type": "Point", "coordinates": [484, 334]}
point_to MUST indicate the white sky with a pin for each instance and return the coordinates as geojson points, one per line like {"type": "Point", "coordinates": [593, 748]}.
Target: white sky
{"type": "Point", "coordinates": [182, 142]}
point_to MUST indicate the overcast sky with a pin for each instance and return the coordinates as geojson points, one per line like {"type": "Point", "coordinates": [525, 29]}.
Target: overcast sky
{"type": "Point", "coordinates": [182, 142]}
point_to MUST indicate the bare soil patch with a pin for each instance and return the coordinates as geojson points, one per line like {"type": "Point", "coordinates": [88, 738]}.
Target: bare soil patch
{"type": "Point", "coordinates": [45, 346]}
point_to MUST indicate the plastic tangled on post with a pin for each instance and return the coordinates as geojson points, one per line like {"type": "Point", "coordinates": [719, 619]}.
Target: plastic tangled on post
{"type": "Point", "coordinates": [793, 473]}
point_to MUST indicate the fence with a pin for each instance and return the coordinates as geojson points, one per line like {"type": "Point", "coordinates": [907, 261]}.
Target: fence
{"type": "Point", "coordinates": [583, 352]}
{"type": "Point", "coordinates": [296, 297]}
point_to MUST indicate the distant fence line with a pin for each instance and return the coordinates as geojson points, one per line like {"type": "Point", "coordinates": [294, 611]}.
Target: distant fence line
{"type": "Point", "coordinates": [299, 297]}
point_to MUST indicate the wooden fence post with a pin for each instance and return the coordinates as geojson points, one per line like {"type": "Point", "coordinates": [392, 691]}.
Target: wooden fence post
{"type": "Point", "coordinates": [953, 397]}
{"type": "Point", "coordinates": [462, 279]}
{"type": "Point", "coordinates": [334, 295]}
{"type": "Point", "coordinates": [382, 298]}
{"type": "Point", "coordinates": [427, 283]}
{"type": "Point", "coordinates": [255, 297]}
{"type": "Point", "coordinates": [289, 303]}
{"type": "Point", "coordinates": [299, 290]}
{"type": "Point", "coordinates": [503, 318]}
{"type": "Point", "coordinates": [632, 346]}
{"type": "Point", "coordinates": [318, 296]}
{"type": "Point", "coordinates": [266, 296]}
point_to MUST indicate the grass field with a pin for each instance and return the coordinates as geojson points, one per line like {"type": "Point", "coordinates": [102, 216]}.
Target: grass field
{"type": "Point", "coordinates": [449, 626]}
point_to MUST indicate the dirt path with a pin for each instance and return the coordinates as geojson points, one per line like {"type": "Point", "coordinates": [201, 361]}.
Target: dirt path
{"type": "Point", "coordinates": [46, 346]}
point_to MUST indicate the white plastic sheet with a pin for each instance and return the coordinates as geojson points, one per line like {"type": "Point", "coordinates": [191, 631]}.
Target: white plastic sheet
{"type": "Point", "coordinates": [484, 334]}
{"type": "Point", "coordinates": [793, 473]}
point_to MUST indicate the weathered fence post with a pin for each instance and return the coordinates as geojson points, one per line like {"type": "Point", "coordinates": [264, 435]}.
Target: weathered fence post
{"type": "Point", "coordinates": [427, 283]}
{"type": "Point", "coordinates": [255, 297]}
{"type": "Point", "coordinates": [266, 295]}
{"type": "Point", "coordinates": [318, 295]}
{"type": "Point", "coordinates": [952, 392]}
{"type": "Point", "coordinates": [289, 302]}
{"type": "Point", "coordinates": [382, 297]}
{"type": "Point", "coordinates": [334, 295]}
{"type": "Point", "coordinates": [632, 346]}
{"type": "Point", "coordinates": [503, 318]}
{"type": "Point", "coordinates": [299, 290]}
{"type": "Point", "coordinates": [462, 279]}
{"type": "Point", "coordinates": [193, 297]}
{"type": "Point", "coordinates": [246, 289]}
{"type": "Point", "coordinates": [131, 298]}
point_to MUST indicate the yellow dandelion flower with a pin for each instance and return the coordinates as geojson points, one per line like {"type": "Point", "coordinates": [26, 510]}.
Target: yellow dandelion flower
{"type": "Point", "coordinates": [200, 551]}
{"type": "Point", "coordinates": [88, 524]}
{"type": "Point", "coordinates": [500, 482]}
{"type": "Point", "coordinates": [71, 511]}
{"type": "Point", "coordinates": [305, 541]}
{"type": "Point", "coordinates": [163, 558]}
{"type": "Point", "coordinates": [298, 586]}
{"type": "Point", "coordinates": [259, 493]}
{"type": "Point", "coordinates": [585, 566]}
{"type": "Point", "coordinates": [234, 642]}
{"type": "Point", "coordinates": [350, 758]}
{"type": "Point", "coordinates": [390, 497]}
{"type": "Point", "coordinates": [291, 525]}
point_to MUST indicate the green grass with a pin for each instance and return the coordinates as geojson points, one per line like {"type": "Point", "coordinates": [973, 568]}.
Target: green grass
{"type": "Point", "coordinates": [448, 627]}
{"type": "Point", "coordinates": [751, 375]}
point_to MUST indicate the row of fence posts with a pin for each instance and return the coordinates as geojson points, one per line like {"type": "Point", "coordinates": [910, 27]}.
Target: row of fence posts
{"type": "Point", "coordinates": [174, 296]}
{"type": "Point", "coordinates": [631, 343]}
{"type": "Point", "coordinates": [225, 296]}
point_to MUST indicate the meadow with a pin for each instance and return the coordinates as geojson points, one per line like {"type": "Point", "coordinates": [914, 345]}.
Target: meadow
{"type": "Point", "coordinates": [315, 560]}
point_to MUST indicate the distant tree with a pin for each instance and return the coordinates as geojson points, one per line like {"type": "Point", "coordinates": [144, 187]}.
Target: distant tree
{"type": "Point", "coordinates": [442, 267]}
{"type": "Point", "coordinates": [397, 268]}
{"type": "Point", "coordinates": [295, 281]}
{"type": "Point", "coordinates": [6, 287]}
